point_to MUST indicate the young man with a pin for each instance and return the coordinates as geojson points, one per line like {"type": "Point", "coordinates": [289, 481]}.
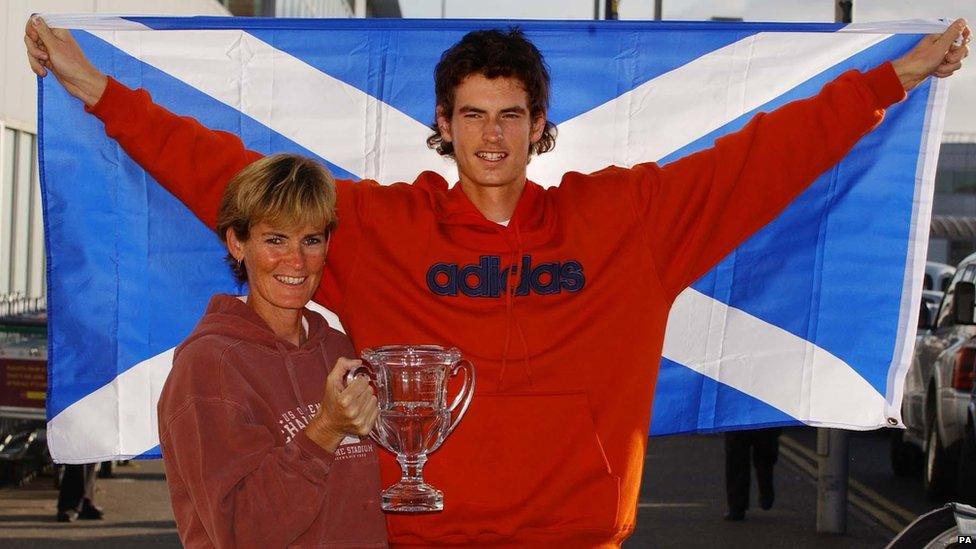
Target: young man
{"type": "Point", "coordinates": [535, 286]}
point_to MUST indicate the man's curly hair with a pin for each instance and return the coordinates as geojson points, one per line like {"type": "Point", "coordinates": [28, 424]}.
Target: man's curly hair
{"type": "Point", "coordinates": [493, 53]}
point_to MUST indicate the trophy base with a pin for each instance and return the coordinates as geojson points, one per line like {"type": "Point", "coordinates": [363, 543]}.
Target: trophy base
{"type": "Point", "coordinates": [412, 498]}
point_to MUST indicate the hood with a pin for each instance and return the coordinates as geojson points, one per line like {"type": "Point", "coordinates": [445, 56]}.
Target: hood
{"type": "Point", "coordinates": [532, 223]}
{"type": "Point", "coordinates": [230, 316]}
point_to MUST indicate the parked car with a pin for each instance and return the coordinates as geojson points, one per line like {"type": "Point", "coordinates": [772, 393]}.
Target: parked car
{"type": "Point", "coordinates": [937, 276]}
{"type": "Point", "coordinates": [938, 388]}
{"type": "Point", "coordinates": [907, 459]}
{"type": "Point", "coordinates": [966, 473]}
{"type": "Point", "coordinates": [948, 526]}
{"type": "Point", "coordinates": [931, 299]}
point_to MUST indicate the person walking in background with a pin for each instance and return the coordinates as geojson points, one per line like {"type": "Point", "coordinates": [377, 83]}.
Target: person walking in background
{"type": "Point", "coordinates": [763, 444]}
{"type": "Point", "coordinates": [76, 497]}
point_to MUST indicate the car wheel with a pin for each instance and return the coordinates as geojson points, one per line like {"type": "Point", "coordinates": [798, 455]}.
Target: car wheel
{"type": "Point", "coordinates": [966, 475]}
{"type": "Point", "coordinates": [905, 460]}
{"type": "Point", "coordinates": [937, 479]}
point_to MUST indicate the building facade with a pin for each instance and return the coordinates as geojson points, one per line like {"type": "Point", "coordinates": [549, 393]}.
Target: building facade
{"type": "Point", "coordinates": [313, 8]}
{"type": "Point", "coordinates": [953, 233]}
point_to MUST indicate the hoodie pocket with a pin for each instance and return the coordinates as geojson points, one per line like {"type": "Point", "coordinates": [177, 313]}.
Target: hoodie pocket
{"type": "Point", "coordinates": [526, 463]}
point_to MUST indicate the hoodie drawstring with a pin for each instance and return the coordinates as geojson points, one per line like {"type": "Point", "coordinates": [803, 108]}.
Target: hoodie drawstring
{"type": "Point", "coordinates": [518, 326]}
{"type": "Point", "coordinates": [290, 366]}
{"type": "Point", "coordinates": [510, 319]}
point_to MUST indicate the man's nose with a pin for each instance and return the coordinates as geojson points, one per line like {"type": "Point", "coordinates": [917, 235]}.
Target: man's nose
{"type": "Point", "coordinates": [492, 131]}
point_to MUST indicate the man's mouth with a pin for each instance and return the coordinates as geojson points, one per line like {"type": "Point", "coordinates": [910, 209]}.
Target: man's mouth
{"type": "Point", "coordinates": [491, 156]}
{"type": "Point", "coordinates": [290, 280]}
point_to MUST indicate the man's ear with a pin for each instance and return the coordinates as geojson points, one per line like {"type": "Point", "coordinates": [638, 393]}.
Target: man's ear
{"type": "Point", "coordinates": [443, 124]}
{"type": "Point", "coordinates": [538, 127]}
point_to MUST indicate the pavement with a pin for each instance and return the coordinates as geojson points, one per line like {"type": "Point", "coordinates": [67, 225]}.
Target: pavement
{"type": "Point", "coordinates": [137, 513]}
{"type": "Point", "coordinates": [682, 502]}
{"type": "Point", "coordinates": [681, 505]}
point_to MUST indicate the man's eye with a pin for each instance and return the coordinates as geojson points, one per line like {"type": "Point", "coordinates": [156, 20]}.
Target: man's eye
{"type": "Point", "coordinates": [312, 241]}
{"type": "Point", "coordinates": [273, 240]}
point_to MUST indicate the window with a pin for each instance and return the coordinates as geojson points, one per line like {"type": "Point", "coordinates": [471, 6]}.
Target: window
{"type": "Point", "coordinates": [21, 227]}
{"type": "Point", "coordinates": [946, 318]}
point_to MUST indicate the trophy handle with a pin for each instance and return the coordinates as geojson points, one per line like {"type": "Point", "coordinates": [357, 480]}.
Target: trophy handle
{"type": "Point", "coordinates": [364, 369]}
{"type": "Point", "coordinates": [378, 434]}
{"type": "Point", "coordinates": [463, 397]}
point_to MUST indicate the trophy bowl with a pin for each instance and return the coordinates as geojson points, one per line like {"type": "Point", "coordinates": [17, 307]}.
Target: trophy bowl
{"type": "Point", "coordinates": [415, 417]}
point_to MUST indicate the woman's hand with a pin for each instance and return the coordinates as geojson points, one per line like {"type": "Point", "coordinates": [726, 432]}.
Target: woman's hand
{"type": "Point", "coordinates": [55, 50]}
{"type": "Point", "coordinates": [346, 410]}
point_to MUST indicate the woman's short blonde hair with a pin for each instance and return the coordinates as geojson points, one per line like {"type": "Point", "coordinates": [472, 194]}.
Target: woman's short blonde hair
{"type": "Point", "coordinates": [284, 190]}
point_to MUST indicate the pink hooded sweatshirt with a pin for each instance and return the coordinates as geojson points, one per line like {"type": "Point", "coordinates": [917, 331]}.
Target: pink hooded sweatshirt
{"type": "Point", "coordinates": [241, 471]}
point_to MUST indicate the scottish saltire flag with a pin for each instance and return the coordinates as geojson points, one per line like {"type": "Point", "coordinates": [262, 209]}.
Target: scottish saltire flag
{"type": "Point", "coordinates": [810, 321]}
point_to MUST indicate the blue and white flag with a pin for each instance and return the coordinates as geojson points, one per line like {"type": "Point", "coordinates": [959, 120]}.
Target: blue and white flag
{"type": "Point", "coordinates": [810, 321]}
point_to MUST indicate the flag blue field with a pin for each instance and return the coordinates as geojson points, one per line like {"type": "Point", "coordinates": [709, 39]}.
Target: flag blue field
{"type": "Point", "coordinates": [810, 321]}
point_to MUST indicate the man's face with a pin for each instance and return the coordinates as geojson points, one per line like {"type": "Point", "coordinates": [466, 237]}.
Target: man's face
{"type": "Point", "coordinates": [491, 130]}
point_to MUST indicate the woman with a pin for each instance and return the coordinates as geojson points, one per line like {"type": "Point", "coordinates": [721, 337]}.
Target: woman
{"type": "Point", "coordinates": [255, 454]}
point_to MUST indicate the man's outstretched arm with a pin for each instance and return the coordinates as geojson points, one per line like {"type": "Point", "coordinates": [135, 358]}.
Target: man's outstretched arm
{"type": "Point", "coordinates": [190, 160]}
{"type": "Point", "coordinates": [699, 208]}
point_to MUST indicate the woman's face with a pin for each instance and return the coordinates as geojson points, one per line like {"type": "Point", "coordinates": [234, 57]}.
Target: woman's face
{"type": "Point", "coordinates": [284, 266]}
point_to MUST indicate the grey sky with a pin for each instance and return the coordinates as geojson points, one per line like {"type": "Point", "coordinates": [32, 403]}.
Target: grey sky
{"type": "Point", "coordinates": [961, 112]}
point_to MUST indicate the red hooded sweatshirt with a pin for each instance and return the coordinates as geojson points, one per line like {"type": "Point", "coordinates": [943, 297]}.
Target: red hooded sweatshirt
{"type": "Point", "coordinates": [562, 311]}
{"type": "Point", "coordinates": [240, 469]}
